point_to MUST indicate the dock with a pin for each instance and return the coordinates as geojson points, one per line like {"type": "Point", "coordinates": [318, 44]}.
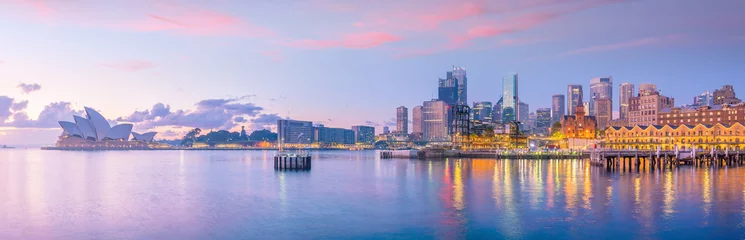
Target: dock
{"type": "Point", "coordinates": [292, 162]}
{"type": "Point", "coordinates": [666, 159]}
{"type": "Point", "coordinates": [494, 154]}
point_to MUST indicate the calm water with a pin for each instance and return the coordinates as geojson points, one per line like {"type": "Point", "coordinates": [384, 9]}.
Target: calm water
{"type": "Point", "coordinates": [238, 195]}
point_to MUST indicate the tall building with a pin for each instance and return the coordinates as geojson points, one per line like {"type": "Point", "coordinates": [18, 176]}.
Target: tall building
{"type": "Point", "coordinates": [625, 93]}
{"type": "Point", "coordinates": [364, 134]}
{"type": "Point", "coordinates": [386, 130]}
{"type": "Point", "coordinates": [643, 109]}
{"type": "Point", "coordinates": [574, 98]}
{"type": "Point", "coordinates": [601, 87]}
{"type": "Point", "coordinates": [435, 116]}
{"type": "Point", "coordinates": [646, 89]}
{"type": "Point", "coordinates": [326, 135]}
{"type": "Point", "coordinates": [725, 95]}
{"type": "Point", "coordinates": [557, 108]}
{"type": "Point", "coordinates": [705, 99]}
{"type": "Point", "coordinates": [603, 112]}
{"type": "Point", "coordinates": [510, 99]}
{"type": "Point", "coordinates": [523, 111]}
{"type": "Point", "coordinates": [497, 112]}
{"type": "Point", "coordinates": [543, 120]}
{"type": "Point", "coordinates": [481, 111]}
{"type": "Point", "coordinates": [416, 117]}
{"type": "Point", "coordinates": [292, 131]}
{"type": "Point", "coordinates": [447, 89]}
{"type": "Point", "coordinates": [459, 73]}
{"type": "Point", "coordinates": [402, 120]}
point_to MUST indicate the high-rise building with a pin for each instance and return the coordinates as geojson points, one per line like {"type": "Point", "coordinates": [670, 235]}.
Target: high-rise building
{"type": "Point", "coordinates": [725, 95]}
{"type": "Point", "coordinates": [603, 112]}
{"type": "Point", "coordinates": [416, 116]}
{"type": "Point", "coordinates": [447, 89]}
{"type": "Point", "coordinates": [497, 112]}
{"type": "Point", "coordinates": [402, 120]}
{"type": "Point", "coordinates": [574, 98]}
{"type": "Point", "coordinates": [435, 116]}
{"type": "Point", "coordinates": [625, 93]}
{"type": "Point", "coordinates": [643, 109]}
{"type": "Point", "coordinates": [510, 98]}
{"type": "Point", "coordinates": [328, 135]}
{"type": "Point", "coordinates": [601, 87]}
{"type": "Point", "coordinates": [292, 131]}
{"type": "Point", "coordinates": [523, 111]}
{"type": "Point", "coordinates": [386, 130]}
{"type": "Point", "coordinates": [481, 111]}
{"type": "Point", "coordinates": [459, 73]}
{"type": "Point", "coordinates": [543, 120]}
{"type": "Point", "coordinates": [705, 99]}
{"type": "Point", "coordinates": [364, 134]}
{"type": "Point", "coordinates": [557, 108]}
{"type": "Point", "coordinates": [646, 89]}
{"type": "Point", "coordinates": [709, 115]}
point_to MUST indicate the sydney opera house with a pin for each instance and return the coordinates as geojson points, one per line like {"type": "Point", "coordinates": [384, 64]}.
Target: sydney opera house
{"type": "Point", "coordinates": [95, 132]}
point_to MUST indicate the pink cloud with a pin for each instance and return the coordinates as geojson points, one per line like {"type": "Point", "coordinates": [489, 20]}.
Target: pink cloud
{"type": "Point", "coordinates": [130, 65]}
{"type": "Point", "coordinates": [623, 45]}
{"type": "Point", "coordinates": [275, 56]}
{"type": "Point", "coordinates": [352, 40]}
{"type": "Point", "coordinates": [195, 21]}
{"type": "Point", "coordinates": [519, 41]}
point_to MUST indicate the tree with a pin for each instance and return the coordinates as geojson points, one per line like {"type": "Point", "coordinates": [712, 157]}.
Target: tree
{"type": "Point", "coordinates": [190, 137]}
{"type": "Point", "coordinates": [556, 127]}
{"type": "Point", "coordinates": [263, 135]}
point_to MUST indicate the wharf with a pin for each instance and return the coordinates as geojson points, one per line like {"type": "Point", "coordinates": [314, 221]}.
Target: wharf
{"type": "Point", "coordinates": [443, 153]}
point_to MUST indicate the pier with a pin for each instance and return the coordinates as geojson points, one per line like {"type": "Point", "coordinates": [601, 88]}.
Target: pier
{"type": "Point", "coordinates": [495, 154]}
{"type": "Point", "coordinates": [292, 162]}
{"type": "Point", "coordinates": [626, 159]}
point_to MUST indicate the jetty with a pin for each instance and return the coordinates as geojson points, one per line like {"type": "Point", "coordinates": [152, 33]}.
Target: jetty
{"type": "Point", "coordinates": [614, 159]}
{"type": "Point", "coordinates": [435, 153]}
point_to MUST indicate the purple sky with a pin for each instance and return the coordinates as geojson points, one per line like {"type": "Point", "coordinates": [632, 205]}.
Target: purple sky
{"type": "Point", "coordinates": [174, 65]}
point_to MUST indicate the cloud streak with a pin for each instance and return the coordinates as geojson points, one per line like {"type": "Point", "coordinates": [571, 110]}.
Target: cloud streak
{"type": "Point", "coordinates": [29, 88]}
{"type": "Point", "coordinates": [358, 40]}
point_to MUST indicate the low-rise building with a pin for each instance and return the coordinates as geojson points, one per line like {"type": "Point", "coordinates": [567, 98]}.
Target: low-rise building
{"type": "Point", "coordinates": [685, 136]}
{"type": "Point", "coordinates": [724, 114]}
{"type": "Point", "coordinates": [579, 125]}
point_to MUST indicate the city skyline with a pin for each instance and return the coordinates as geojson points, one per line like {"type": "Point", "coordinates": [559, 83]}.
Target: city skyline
{"type": "Point", "coordinates": [168, 67]}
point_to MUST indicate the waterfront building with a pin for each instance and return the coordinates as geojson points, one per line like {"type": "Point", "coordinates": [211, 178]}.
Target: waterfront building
{"type": "Point", "coordinates": [646, 89]}
{"type": "Point", "coordinates": [402, 120]}
{"type": "Point", "coordinates": [364, 134]}
{"type": "Point", "coordinates": [625, 93]}
{"type": "Point", "coordinates": [722, 114]}
{"type": "Point", "coordinates": [725, 95]}
{"type": "Point", "coordinates": [543, 120]}
{"type": "Point", "coordinates": [603, 112]}
{"type": "Point", "coordinates": [447, 89]}
{"type": "Point", "coordinates": [705, 99]}
{"type": "Point", "coordinates": [331, 136]}
{"type": "Point", "coordinates": [703, 137]}
{"type": "Point", "coordinates": [510, 99]}
{"type": "Point", "coordinates": [497, 112]}
{"type": "Point", "coordinates": [643, 109]}
{"type": "Point", "coordinates": [435, 116]}
{"type": "Point", "coordinates": [601, 87]}
{"type": "Point", "coordinates": [94, 132]}
{"type": "Point", "coordinates": [557, 108]}
{"type": "Point", "coordinates": [295, 132]}
{"type": "Point", "coordinates": [574, 98]}
{"type": "Point", "coordinates": [482, 112]}
{"type": "Point", "coordinates": [579, 125]}
{"type": "Point", "coordinates": [416, 117]}
{"type": "Point", "coordinates": [459, 73]}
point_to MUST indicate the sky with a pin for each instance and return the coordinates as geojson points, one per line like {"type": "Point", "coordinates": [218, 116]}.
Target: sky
{"type": "Point", "coordinates": [170, 66]}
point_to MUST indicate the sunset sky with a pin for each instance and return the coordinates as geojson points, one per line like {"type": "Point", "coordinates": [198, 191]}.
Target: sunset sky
{"type": "Point", "coordinates": [170, 66]}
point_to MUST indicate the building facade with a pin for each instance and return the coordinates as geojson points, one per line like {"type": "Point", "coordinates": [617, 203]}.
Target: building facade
{"type": "Point", "coordinates": [705, 99]}
{"type": "Point", "coordinates": [643, 109]}
{"type": "Point", "coordinates": [600, 88]}
{"type": "Point", "coordinates": [482, 112]}
{"type": "Point", "coordinates": [725, 95]}
{"type": "Point", "coordinates": [510, 99]}
{"type": "Point", "coordinates": [523, 111]}
{"type": "Point", "coordinates": [702, 137]}
{"type": "Point", "coordinates": [416, 118]}
{"type": "Point", "coordinates": [364, 134]}
{"type": "Point", "coordinates": [447, 89]}
{"type": "Point", "coordinates": [543, 120]}
{"type": "Point", "coordinates": [574, 98]}
{"type": "Point", "coordinates": [295, 132]}
{"type": "Point", "coordinates": [603, 112]}
{"type": "Point", "coordinates": [402, 120]}
{"type": "Point", "coordinates": [579, 125]}
{"type": "Point", "coordinates": [497, 112]}
{"type": "Point", "coordinates": [647, 89]}
{"type": "Point", "coordinates": [435, 117]}
{"type": "Point", "coordinates": [557, 108]}
{"type": "Point", "coordinates": [326, 135]}
{"type": "Point", "coordinates": [459, 73]}
{"type": "Point", "coordinates": [722, 114]}
{"type": "Point", "coordinates": [625, 93]}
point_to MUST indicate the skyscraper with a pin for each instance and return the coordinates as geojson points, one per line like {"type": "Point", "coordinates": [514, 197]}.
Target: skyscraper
{"type": "Point", "coordinates": [523, 111]}
{"type": "Point", "coordinates": [416, 116]}
{"type": "Point", "coordinates": [402, 120]}
{"type": "Point", "coordinates": [574, 98]}
{"type": "Point", "coordinates": [705, 99]}
{"type": "Point", "coordinates": [601, 87]}
{"type": "Point", "coordinates": [435, 117]}
{"type": "Point", "coordinates": [510, 99]}
{"type": "Point", "coordinates": [364, 134]}
{"type": "Point", "coordinates": [625, 93]}
{"type": "Point", "coordinates": [646, 89]}
{"type": "Point", "coordinates": [557, 108]}
{"type": "Point", "coordinates": [603, 112]}
{"type": "Point", "coordinates": [543, 120]}
{"type": "Point", "coordinates": [725, 95]}
{"type": "Point", "coordinates": [482, 111]}
{"type": "Point", "coordinates": [459, 73]}
{"type": "Point", "coordinates": [497, 112]}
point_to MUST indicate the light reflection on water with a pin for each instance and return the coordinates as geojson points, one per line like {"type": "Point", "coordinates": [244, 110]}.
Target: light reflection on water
{"type": "Point", "coordinates": [238, 195]}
